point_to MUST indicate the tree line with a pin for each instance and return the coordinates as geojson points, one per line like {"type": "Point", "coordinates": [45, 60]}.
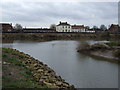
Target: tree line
{"type": "Point", "coordinates": [18, 27]}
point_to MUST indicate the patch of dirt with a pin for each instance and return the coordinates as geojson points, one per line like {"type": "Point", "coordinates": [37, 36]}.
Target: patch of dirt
{"type": "Point", "coordinates": [12, 71]}
{"type": "Point", "coordinates": [104, 53]}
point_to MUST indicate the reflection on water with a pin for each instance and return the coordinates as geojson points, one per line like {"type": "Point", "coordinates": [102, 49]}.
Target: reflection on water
{"type": "Point", "coordinates": [6, 45]}
{"type": "Point", "coordinates": [77, 69]}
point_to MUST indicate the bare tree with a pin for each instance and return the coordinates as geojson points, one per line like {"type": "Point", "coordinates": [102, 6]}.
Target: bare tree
{"type": "Point", "coordinates": [95, 27]}
{"type": "Point", "coordinates": [53, 26]}
{"type": "Point", "coordinates": [103, 27]}
{"type": "Point", "coordinates": [87, 27]}
{"type": "Point", "coordinates": [18, 27]}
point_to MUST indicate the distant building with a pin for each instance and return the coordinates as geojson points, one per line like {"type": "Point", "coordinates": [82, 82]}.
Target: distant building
{"type": "Point", "coordinates": [114, 28]}
{"type": "Point", "coordinates": [6, 27]}
{"type": "Point", "coordinates": [37, 30]}
{"type": "Point", "coordinates": [78, 28]}
{"type": "Point", "coordinates": [63, 27]}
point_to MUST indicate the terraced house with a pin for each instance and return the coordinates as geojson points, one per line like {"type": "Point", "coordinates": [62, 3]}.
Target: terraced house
{"type": "Point", "coordinates": [63, 27]}
{"type": "Point", "coordinates": [78, 28]}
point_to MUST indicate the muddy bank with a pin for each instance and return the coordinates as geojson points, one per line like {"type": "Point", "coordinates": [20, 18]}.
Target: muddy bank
{"type": "Point", "coordinates": [101, 50]}
{"type": "Point", "coordinates": [41, 72]}
{"type": "Point", "coordinates": [49, 36]}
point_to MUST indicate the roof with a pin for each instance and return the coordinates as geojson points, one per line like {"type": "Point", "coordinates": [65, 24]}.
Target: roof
{"type": "Point", "coordinates": [63, 23]}
{"type": "Point", "coordinates": [114, 26]}
{"type": "Point", "coordinates": [77, 26]}
{"type": "Point", "coordinates": [6, 25]}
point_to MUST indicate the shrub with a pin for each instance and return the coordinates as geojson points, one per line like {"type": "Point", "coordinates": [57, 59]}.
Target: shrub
{"type": "Point", "coordinates": [111, 44]}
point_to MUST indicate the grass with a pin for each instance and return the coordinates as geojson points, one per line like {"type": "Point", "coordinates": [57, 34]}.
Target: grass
{"type": "Point", "coordinates": [111, 44]}
{"type": "Point", "coordinates": [21, 77]}
{"type": "Point", "coordinates": [20, 83]}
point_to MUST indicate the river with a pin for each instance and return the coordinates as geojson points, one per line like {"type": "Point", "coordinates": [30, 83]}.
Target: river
{"type": "Point", "coordinates": [78, 69]}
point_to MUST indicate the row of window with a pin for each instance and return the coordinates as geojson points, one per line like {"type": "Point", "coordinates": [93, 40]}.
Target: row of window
{"type": "Point", "coordinates": [66, 26]}
{"type": "Point", "coordinates": [65, 30]}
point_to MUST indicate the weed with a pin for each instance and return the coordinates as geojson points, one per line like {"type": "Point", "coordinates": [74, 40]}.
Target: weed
{"type": "Point", "coordinates": [111, 44]}
{"type": "Point", "coordinates": [4, 55]}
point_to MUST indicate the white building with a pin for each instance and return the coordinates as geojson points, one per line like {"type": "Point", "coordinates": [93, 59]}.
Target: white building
{"type": "Point", "coordinates": [63, 27]}
{"type": "Point", "coordinates": [78, 28]}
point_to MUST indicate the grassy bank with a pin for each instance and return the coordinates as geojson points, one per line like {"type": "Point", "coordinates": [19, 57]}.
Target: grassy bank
{"type": "Point", "coordinates": [20, 70]}
{"type": "Point", "coordinates": [15, 74]}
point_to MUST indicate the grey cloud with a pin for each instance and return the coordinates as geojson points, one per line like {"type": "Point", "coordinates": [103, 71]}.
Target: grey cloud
{"type": "Point", "coordinates": [46, 13]}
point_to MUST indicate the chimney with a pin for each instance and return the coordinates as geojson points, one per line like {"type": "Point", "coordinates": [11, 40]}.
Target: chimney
{"type": "Point", "coordinates": [60, 22]}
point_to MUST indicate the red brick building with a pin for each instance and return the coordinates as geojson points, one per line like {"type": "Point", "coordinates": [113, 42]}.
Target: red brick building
{"type": "Point", "coordinates": [114, 28]}
{"type": "Point", "coordinates": [6, 27]}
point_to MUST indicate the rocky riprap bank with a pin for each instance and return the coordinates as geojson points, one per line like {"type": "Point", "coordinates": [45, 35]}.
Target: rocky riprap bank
{"type": "Point", "coordinates": [43, 74]}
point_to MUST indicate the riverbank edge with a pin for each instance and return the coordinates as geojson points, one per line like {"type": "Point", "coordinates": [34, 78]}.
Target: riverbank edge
{"type": "Point", "coordinates": [100, 56]}
{"type": "Point", "coordinates": [57, 36]}
{"type": "Point", "coordinates": [43, 74]}
{"type": "Point", "coordinates": [106, 54]}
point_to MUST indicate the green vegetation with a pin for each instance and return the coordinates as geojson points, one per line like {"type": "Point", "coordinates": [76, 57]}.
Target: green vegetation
{"type": "Point", "coordinates": [15, 74]}
{"type": "Point", "coordinates": [10, 83]}
{"type": "Point", "coordinates": [111, 44]}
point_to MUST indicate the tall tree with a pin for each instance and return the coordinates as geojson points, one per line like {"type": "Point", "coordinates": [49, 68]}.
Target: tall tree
{"type": "Point", "coordinates": [53, 26]}
{"type": "Point", "coordinates": [18, 27]}
{"type": "Point", "coordinates": [95, 27]}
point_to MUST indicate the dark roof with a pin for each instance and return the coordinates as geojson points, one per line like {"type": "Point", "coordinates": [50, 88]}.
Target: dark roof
{"type": "Point", "coordinates": [77, 26]}
{"type": "Point", "coordinates": [63, 23]}
{"type": "Point", "coordinates": [5, 24]}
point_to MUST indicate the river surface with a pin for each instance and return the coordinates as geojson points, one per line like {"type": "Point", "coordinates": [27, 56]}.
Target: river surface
{"type": "Point", "coordinates": [78, 69]}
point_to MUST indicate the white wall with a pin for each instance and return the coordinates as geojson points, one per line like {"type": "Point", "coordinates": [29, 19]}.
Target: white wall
{"type": "Point", "coordinates": [78, 30]}
{"type": "Point", "coordinates": [63, 28]}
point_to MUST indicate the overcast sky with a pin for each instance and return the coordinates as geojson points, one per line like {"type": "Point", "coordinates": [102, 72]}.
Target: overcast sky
{"type": "Point", "coordinates": [43, 14]}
